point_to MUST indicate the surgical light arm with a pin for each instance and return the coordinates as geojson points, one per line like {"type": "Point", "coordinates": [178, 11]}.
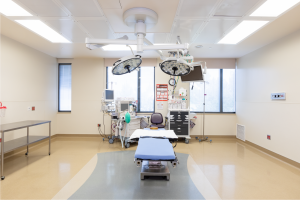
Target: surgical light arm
{"type": "Point", "coordinates": [98, 43]}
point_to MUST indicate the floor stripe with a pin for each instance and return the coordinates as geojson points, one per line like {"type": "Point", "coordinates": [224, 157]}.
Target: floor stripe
{"type": "Point", "coordinates": [200, 180]}
{"type": "Point", "coordinates": [77, 181]}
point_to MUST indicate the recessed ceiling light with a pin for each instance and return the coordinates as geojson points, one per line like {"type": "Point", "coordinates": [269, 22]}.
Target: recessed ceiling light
{"type": "Point", "coordinates": [10, 8]}
{"type": "Point", "coordinates": [242, 31]}
{"type": "Point", "coordinates": [43, 30]}
{"type": "Point", "coordinates": [113, 47]}
{"type": "Point", "coordinates": [273, 8]}
{"type": "Point", "coordinates": [199, 46]}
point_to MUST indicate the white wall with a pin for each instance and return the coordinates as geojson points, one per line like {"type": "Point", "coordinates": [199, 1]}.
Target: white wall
{"type": "Point", "coordinates": [28, 78]}
{"type": "Point", "coordinates": [273, 68]}
{"type": "Point", "coordinates": [88, 83]}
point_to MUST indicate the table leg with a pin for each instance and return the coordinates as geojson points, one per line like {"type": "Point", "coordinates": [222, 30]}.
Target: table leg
{"type": "Point", "coordinates": [2, 155]}
{"type": "Point", "coordinates": [27, 141]}
{"type": "Point", "coordinates": [49, 138]}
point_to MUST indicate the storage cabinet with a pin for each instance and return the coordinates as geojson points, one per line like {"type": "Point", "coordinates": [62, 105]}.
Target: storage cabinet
{"type": "Point", "coordinates": [179, 121]}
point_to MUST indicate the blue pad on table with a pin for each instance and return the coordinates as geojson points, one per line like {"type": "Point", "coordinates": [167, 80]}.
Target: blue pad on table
{"type": "Point", "coordinates": [154, 149]}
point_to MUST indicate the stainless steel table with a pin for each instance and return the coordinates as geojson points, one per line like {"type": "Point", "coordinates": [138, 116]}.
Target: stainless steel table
{"type": "Point", "coordinates": [23, 141]}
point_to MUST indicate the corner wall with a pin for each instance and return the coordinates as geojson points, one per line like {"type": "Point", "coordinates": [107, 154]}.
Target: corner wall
{"type": "Point", "coordinates": [273, 68]}
{"type": "Point", "coordinates": [28, 78]}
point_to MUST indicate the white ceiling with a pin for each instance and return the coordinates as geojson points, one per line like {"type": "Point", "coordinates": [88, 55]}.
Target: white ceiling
{"type": "Point", "coordinates": [198, 22]}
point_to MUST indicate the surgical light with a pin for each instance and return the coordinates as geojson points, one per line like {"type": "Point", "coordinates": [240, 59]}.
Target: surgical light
{"type": "Point", "coordinates": [43, 30]}
{"type": "Point", "coordinates": [10, 8]}
{"type": "Point", "coordinates": [242, 31]}
{"type": "Point", "coordinates": [126, 64]}
{"type": "Point", "coordinates": [273, 8]}
{"type": "Point", "coordinates": [174, 67]}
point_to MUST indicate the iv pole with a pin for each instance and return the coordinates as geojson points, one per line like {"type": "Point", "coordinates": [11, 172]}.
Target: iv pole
{"type": "Point", "coordinates": [203, 120]}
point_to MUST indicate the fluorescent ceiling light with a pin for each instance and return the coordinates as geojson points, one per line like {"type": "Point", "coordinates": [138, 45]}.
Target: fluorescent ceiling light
{"type": "Point", "coordinates": [273, 8]}
{"type": "Point", "coordinates": [113, 47]}
{"type": "Point", "coordinates": [43, 30]}
{"type": "Point", "coordinates": [10, 8]}
{"type": "Point", "coordinates": [242, 31]}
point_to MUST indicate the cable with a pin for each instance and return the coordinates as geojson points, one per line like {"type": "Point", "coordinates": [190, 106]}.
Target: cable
{"type": "Point", "coordinates": [130, 49]}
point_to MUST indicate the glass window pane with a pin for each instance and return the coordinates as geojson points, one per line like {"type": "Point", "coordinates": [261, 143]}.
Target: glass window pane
{"type": "Point", "coordinates": [123, 85]}
{"type": "Point", "coordinates": [147, 89]}
{"type": "Point", "coordinates": [212, 90]}
{"type": "Point", "coordinates": [228, 90]}
{"type": "Point", "coordinates": [65, 87]}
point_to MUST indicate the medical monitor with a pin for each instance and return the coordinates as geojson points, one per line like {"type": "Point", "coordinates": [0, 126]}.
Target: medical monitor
{"type": "Point", "coordinates": [108, 95]}
{"type": "Point", "coordinates": [124, 106]}
{"type": "Point", "coordinates": [194, 76]}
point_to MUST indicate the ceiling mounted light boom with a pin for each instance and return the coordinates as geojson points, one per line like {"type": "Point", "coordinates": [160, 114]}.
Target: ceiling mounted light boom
{"type": "Point", "coordinates": [141, 19]}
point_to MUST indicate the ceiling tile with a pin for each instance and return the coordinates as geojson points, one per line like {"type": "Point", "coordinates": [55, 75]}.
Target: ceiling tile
{"type": "Point", "coordinates": [97, 28]}
{"type": "Point", "coordinates": [68, 29]}
{"type": "Point", "coordinates": [197, 8]}
{"type": "Point", "coordinates": [186, 29]}
{"type": "Point", "coordinates": [235, 7]}
{"type": "Point", "coordinates": [165, 9]}
{"type": "Point", "coordinates": [214, 31]}
{"type": "Point", "coordinates": [82, 8]}
{"type": "Point", "coordinates": [111, 4]}
{"type": "Point", "coordinates": [44, 8]}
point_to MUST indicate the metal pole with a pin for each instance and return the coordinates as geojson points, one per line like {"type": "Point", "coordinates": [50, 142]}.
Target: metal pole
{"type": "Point", "coordinates": [203, 112]}
{"type": "Point", "coordinates": [2, 155]}
{"type": "Point", "coordinates": [27, 141]}
{"type": "Point", "coordinates": [49, 138]}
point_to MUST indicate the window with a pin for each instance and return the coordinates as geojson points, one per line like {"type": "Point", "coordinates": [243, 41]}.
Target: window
{"type": "Point", "coordinates": [138, 84]}
{"type": "Point", "coordinates": [219, 89]}
{"type": "Point", "coordinates": [64, 87]}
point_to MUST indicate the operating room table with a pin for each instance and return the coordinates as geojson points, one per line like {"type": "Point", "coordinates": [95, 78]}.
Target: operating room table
{"type": "Point", "coordinates": [154, 151]}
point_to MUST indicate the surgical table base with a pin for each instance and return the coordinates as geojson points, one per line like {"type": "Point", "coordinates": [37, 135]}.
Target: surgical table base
{"type": "Point", "coordinates": [157, 168]}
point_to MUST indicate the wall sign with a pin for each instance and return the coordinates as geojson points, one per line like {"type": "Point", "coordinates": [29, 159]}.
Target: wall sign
{"type": "Point", "coordinates": [161, 92]}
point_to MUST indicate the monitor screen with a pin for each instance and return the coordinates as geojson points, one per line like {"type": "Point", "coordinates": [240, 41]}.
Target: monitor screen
{"type": "Point", "coordinates": [124, 106]}
{"type": "Point", "coordinates": [109, 95]}
{"type": "Point", "coordinates": [193, 76]}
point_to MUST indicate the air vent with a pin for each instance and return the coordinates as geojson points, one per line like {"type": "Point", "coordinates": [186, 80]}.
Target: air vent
{"type": "Point", "coordinates": [240, 132]}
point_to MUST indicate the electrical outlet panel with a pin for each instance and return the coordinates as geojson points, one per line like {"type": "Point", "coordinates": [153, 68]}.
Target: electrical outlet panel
{"type": "Point", "coordinates": [275, 96]}
{"type": "Point", "coordinates": [269, 137]}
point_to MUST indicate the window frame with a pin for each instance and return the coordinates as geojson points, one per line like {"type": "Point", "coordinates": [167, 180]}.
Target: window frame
{"type": "Point", "coordinates": [221, 96]}
{"type": "Point", "coordinates": [58, 110]}
{"type": "Point", "coordinates": [138, 90]}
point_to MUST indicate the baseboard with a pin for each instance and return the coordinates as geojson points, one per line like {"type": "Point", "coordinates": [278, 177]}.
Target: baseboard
{"type": "Point", "coordinates": [271, 153]}
{"type": "Point", "coordinates": [214, 136]}
{"type": "Point", "coordinates": [79, 135]}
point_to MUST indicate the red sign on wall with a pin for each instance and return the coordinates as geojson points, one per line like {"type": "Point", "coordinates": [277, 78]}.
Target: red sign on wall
{"type": "Point", "coordinates": [161, 92]}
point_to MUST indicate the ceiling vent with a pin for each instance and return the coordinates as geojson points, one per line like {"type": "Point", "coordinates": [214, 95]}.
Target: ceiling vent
{"type": "Point", "coordinates": [240, 132]}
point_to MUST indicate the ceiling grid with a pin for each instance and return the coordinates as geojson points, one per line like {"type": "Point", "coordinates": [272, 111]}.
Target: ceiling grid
{"type": "Point", "coordinates": [198, 22]}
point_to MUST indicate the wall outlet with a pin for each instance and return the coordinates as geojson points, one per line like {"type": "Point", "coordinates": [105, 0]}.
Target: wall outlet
{"type": "Point", "coordinates": [33, 108]}
{"type": "Point", "coordinates": [269, 137]}
{"type": "Point", "coordinates": [29, 108]}
{"type": "Point", "coordinates": [278, 96]}
{"type": "Point", "coordinates": [99, 125]}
